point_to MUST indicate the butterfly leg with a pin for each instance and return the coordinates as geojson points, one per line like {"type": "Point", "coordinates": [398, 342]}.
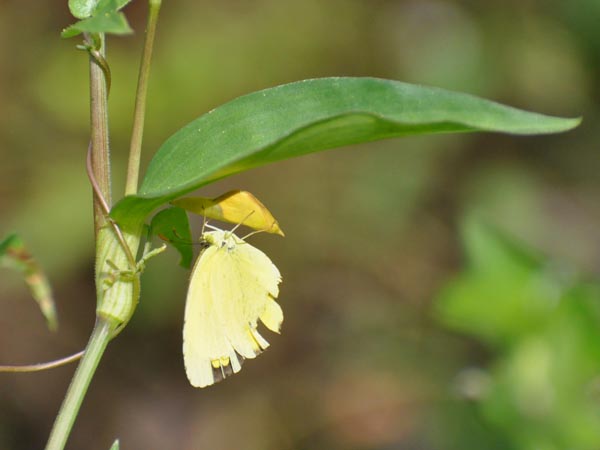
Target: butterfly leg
{"type": "Point", "coordinates": [117, 274]}
{"type": "Point", "coordinates": [147, 255]}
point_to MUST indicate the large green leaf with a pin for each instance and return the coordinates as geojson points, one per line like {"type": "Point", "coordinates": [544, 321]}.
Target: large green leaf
{"type": "Point", "coordinates": [308, 116]}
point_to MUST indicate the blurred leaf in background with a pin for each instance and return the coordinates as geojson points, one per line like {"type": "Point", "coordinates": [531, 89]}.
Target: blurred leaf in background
{"type": "Point", "coordinates": [541, 322]}
{"type": "Point", "coordinates": [14, 255]}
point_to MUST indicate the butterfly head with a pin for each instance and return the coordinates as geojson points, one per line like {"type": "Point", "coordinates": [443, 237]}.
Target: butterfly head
{"type": "Point", "coordinates": [221, 239]}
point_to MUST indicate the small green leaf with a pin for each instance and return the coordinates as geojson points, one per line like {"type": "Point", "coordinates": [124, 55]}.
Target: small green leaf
{"type": "Point", "coordinates": [5, 245]}
{"type": "Point", "coordinates": [115, 445]}
{"type": "Point", "coordinates": [172, 225]}
{"type": "Point", "coordinates": [82, 9]}
{"type": "Point", "coordinates": [308, 116]}
{"type": "Point", "coordinates": [106, 18]}
{"type": "Point", "coordinates": [14, 255]}
{"type": "Point", "coordinates": [120, 4]}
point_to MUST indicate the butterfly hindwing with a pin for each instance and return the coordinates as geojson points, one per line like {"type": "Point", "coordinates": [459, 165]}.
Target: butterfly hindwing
{"type": "Point", "coordinates": [232, 286]}
{"type": "Point", "coordinates": [247, 279]}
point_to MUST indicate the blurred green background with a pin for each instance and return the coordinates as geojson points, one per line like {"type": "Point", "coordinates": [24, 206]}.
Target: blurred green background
{"type": "Point", "coordinates": [439, 292]}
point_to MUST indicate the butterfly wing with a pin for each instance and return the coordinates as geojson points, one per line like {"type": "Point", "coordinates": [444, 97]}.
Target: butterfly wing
{"type": "Point", "coordinates": [246, 283]}
{"type": "Point", "coordinates": [208, 355]}
{"type": "Point", "coordinates": [232, 287]}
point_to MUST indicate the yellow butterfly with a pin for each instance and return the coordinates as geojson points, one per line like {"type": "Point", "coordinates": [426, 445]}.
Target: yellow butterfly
{"type": "Point", "coordinates": [232, 286]}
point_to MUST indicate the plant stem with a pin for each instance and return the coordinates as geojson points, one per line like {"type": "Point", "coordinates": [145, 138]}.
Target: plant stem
{"type": "Point", "coordinates": [115, 303]}
{"type": "Point", "coordinates": [99, 136]}
{"type": "Point", "coordinates": [100, 162]}
{"type": "Point", "coordinates": [99, 339]}
{"type": "Point", "coordinates": [135, 149]}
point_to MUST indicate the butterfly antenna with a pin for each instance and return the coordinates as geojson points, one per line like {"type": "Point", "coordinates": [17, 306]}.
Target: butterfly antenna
{"type": "Point", "coordinates": [252, 233]}
{"type": "Point", "coordinates": [241, 223]}
{"type": "Point", "coordinates": [204, 225]}
{"type": "Point", "coordinates": [212, 228]}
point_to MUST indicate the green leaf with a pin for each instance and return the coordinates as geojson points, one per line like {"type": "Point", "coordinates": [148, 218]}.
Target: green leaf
{"type": "Point", "coordinates": [172, 225]}
{"type": "Point", "coordinates": [308, 116]}
{"type": "Point", "coordinates": [115, 445]}
{"type": "Point", "coordinates": [82, 9]}
{"type": "Point", "coordinates": [506, 291]}
{"type": "Point", "coordinates": [492, 251]}
{"type": "Point", "coordinates": [106, 18]}
{"type": "Point", "coordinates": [14, 255]}
{"type": "Point", "coordinates": [120, 3]}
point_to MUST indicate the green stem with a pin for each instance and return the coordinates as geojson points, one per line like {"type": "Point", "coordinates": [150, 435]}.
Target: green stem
{"type": "Point", "coordinates": [116, 298]}
{"type": "Point", "coordinates": [100, 166]}
{"type": "Point", "coordinates": [99, 339]}
{"type": "Point", "coordinates": [99, 135]}
{"type": "Point", "coordinates": [135, 149]}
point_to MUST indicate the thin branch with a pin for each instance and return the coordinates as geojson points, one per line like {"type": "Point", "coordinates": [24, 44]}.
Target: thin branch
{"type": "Point", "coordinates": [139, 114]}
{"type": "Point", "coordinates": [105, 208]}
{"type": "Point", "coordinates": [99, 128]}
{"type": "Point", "coordinates": [43, 366]}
